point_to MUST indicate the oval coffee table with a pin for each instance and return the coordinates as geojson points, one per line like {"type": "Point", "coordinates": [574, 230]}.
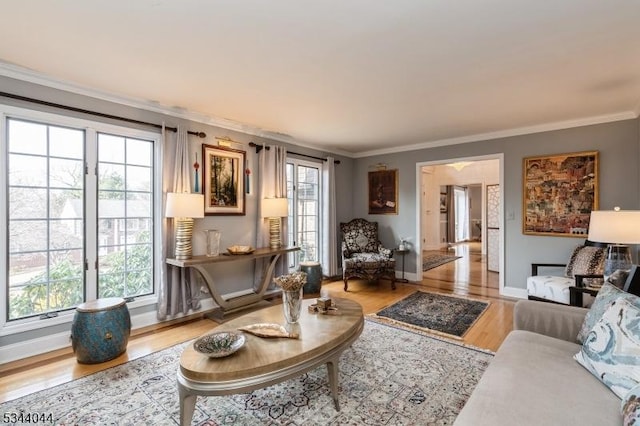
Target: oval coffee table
{"type": "Point", "coordinates": [262, 362]}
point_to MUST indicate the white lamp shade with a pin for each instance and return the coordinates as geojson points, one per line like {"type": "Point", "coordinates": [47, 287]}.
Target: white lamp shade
{"type": "Point", "coordinates": [184, 205]}
{"type": "Point", "coordinates": [615, 227]}
{"type": "Point", "coordinates": [275, 207]}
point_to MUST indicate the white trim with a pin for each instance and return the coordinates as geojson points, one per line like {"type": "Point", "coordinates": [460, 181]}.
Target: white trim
{"type": "Point", "coordinates": [24, 74]}
{"type": "Point", "coordinates": [559, 125]}
{"type": "Point", "coordinates": [519, 293]}
{"type": "Point", "coordinates": [418, 229]}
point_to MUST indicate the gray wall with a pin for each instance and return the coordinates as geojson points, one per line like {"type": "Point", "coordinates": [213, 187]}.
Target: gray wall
{"type": "Point", "coordinates": [619, 147]}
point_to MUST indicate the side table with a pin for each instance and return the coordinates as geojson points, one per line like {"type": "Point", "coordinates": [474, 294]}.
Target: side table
{"type": "Point", "coordinates": [575, 294]}
{"type": "Point", "coordinates": [402, 252]}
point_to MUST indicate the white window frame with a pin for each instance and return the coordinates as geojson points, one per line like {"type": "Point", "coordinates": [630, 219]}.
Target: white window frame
{"type": "Point", "coordinates": [294, 207]}
{"type": "Point", "coordinates": [91, 284]}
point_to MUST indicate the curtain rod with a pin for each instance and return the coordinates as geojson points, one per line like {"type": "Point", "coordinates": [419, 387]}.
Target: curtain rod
{"type": "Point", "coordinates": [98, 114]}
{"type": "Point", "coordinates": [259, 148]}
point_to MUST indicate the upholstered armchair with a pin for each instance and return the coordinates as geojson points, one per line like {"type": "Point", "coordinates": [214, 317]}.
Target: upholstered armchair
{"type": "Point", "coordinates": [585, 267]}
{"type": "Point", "coordinates": [363, 256]}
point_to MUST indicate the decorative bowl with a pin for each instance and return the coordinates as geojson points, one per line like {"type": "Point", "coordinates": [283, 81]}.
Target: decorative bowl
{"type": "Point", "coordinates": [240, 249]}
{"type": "Point", "coordinates": [218, 345]}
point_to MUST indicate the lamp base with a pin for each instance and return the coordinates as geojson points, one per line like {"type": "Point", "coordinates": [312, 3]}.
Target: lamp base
{"type": "Point", "coordinates": [618, 257]}
{"type": "Point", "coordinates": [274, 233]}
{"type": "Point", "coordinates": [184, 234]}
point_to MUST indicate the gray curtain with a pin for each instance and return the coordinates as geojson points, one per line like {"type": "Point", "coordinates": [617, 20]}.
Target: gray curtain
{"type": "Point", "coordinates": [272, 182]}
{"type": "Point", "coordinates": [451, 215]}
{"type": "Point", "coordinates": [177, 294]}
{"type": "Point", "coordinates": [329, 225]}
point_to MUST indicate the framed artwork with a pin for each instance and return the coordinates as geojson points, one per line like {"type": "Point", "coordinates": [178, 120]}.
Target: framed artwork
{"type": "Point", "coordinates": [559, 193]}
{"type": "Point", "coordinates": [383, 192]}
{"type": "Point", "coordinates": [223, 178]}
{"type": "Point", "coordinates": [443, 202]}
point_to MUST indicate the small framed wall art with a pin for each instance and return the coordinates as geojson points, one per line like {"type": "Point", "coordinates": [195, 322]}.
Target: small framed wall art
{"type": "Point", "coordinates": [223, 179]}
{"type": "Point", "coordinates": [383, 192]}
{"type": "Point", "coordinates": [559, 192]}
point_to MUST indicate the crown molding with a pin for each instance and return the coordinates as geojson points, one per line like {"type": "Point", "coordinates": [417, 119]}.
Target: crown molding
{"type": "Point", "coordinates": [519, 131]}
{"type": "Point", "coordinates": [20, 73]}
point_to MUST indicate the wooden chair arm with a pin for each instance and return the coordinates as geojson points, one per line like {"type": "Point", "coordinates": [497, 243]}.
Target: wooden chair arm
{"type": "Point", "coordinates": [535, 266]}
{"type": "Point", "coordinates": [580, 278]}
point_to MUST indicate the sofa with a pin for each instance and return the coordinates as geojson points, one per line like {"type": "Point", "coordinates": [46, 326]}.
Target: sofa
{"type": "Point", "coordinates": [534, 379]}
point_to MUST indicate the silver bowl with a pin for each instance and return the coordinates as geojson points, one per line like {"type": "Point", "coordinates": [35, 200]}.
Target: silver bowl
{"type": "Point", "coordinates": [218, 345]}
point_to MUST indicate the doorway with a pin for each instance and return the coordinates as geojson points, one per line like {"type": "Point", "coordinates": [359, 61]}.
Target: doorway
{"type": "Point", "coordinates": [452, 213]}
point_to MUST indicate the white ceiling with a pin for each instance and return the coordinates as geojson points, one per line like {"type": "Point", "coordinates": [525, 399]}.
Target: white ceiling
{"type": "Point", "coordinates": [351, 76]}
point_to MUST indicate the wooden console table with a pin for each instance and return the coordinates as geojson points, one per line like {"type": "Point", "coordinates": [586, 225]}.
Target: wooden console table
{"type": "Point", "coordinates": [198, 263]}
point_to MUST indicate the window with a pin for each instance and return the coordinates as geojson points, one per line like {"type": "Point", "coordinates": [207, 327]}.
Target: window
{"type": "Point", "coordinates": [79, 213]}
{"type": "Point", "coordinates": [303, 192]}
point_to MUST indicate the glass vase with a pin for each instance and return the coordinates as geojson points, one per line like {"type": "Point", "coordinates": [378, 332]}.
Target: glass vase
{"type": "Point", "coordinates": [292, 305]}
{"type": "Point", "coordinates": [213, 242]}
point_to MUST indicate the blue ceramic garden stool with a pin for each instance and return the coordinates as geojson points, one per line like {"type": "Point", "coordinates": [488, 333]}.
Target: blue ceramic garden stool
{"type": "Point", "coordinates": [314, 276]}
{"type": "Point", "coordinates": [100, 330]}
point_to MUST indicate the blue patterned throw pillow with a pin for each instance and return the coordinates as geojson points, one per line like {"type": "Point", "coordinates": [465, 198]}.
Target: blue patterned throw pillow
{"type": "Point", "coordinates": [611, 351]}
{"type": "Point", "coordinates": [631, 408]}
{"type": "Point", "coordinates": [606, 296]}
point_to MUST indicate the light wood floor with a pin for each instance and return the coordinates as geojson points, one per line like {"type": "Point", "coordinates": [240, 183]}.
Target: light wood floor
{"type": "Point", "coordinates": [465, 277]}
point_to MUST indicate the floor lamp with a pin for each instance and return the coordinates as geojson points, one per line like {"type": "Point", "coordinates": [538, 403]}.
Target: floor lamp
{"type": "Point", "coordinates": [619, 228]}
{"type": "Point", "coordinates": [183, 207]}
{"type": "Point", "coordinates": [274, 209]}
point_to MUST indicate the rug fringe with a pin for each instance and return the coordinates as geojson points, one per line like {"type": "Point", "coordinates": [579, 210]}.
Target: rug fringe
{"type": "Point", "coordinates": [433, 334]}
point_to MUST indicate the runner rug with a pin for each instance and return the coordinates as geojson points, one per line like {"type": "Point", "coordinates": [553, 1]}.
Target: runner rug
{"type": "Point", "coordinates": [388, 376]}
{"type": "Point", "coordinates": [432, 260]}
{"type": "Point", "coordinates": [436, 313]}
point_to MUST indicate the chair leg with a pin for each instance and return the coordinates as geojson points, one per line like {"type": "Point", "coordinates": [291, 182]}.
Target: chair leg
{"type": "Point", "coordinates": [345, 284]}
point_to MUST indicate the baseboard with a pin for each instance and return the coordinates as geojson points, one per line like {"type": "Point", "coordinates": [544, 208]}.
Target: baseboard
{"type": "Point", "coordinates": [32, 347]}
{"type": "Point", "coordinates": [518, 293]}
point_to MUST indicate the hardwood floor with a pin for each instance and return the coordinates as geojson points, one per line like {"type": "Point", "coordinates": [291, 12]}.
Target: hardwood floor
{"type": "Point", "coordinates": [466, 276]}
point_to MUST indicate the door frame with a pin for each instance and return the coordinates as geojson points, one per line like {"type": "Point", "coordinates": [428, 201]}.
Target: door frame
{"type": "Point", "coordinates": [420, 208]}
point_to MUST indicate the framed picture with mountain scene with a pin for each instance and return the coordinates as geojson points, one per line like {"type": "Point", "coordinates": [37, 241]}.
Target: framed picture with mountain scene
{"type": "Point", "coordinates": [559, 192]}
{"type": "Point", "coordinates": [223, 180]}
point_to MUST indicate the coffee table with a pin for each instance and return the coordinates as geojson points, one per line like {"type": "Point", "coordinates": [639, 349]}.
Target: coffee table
{"type": "Point", "coordinates": [263, 362]}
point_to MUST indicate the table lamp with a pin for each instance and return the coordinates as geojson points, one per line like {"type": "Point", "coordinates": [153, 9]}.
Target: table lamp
{"type": "Point", "coordinates": [619, 228]}
{"type": "Point", "coordinates": [274, 209]}
{"type": "Point", "coordinates": [184, 207]}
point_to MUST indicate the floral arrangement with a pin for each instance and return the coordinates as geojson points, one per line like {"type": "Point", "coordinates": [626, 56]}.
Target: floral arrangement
{"type": "Point", "coordinates": [291, 282]}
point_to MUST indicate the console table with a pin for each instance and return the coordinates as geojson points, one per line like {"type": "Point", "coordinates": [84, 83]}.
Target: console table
{"type": "Point", "coordinates": [198, 263]}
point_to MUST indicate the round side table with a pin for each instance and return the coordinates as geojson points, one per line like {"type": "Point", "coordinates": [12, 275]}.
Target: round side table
{"type": "Point", "coordinates": [314, 276]}
{"type": "Point", "coordinates": [100, 330]}
{"type": "Point", "coordinates": [402, 252]}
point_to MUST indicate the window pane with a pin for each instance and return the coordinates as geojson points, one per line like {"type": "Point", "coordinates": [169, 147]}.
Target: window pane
{"type": "Point", "coordinates": [139, 152]}
{"type": "Point", "coordinates": [65, 173]}
{"type": "Point", "coordinates": [138, 178]}
{"type": "Point", "coordinates": [27, 203]}
{"type": "Point", "coordinates": [46, 262]}
{"type": "Point", "coordinates": [26, 137]}
{"type": "Point", "coordinates": [111, 148]}
{"type": "Point", "coordinates": [27, 170]}
{"type": "Point", "coordinates": [27, 235]}
{"type": "Point", "coordinates": [125, 214]}
{"type": "Point", "coordinates": [66, 143]}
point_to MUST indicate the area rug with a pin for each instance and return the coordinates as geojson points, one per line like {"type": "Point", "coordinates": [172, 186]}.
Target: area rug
{"type": "Point", "coordinates": [389, 376]}
{"type": "Point", "coordinates": [436, 313]}
{"type": "Point", "coordinates": [432, 260]}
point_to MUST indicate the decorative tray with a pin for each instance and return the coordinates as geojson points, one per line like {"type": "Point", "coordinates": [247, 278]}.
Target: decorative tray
{"type": "Point", "coordinates": [240, 250]}
{"type": "Point", "coordinates": [268, 330]}
{"type": "Point", "coordinates": [218, 345]}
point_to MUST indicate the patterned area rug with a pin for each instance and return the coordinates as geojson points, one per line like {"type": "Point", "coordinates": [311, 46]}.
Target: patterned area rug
{"type": "Point", "coordinates": [432, 260]}
{"type": "Point", "coordinates": [389, 376]}
{"type": "Point", "coordinates": [436, 313]}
